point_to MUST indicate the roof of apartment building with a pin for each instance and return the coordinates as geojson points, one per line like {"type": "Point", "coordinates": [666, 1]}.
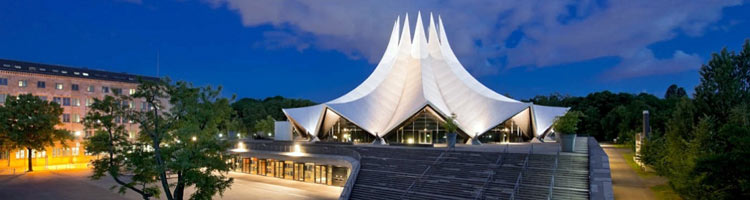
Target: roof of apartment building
{"type": "Point", "coordinates": [58, 70]}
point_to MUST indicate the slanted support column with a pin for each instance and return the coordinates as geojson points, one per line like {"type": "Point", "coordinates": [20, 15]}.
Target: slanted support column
{"type": "Point", "coordinates": [475, 140]}
{"type": "Point", "coordinates": [313, 138]}
{"type": "Point", "coordinates": [378, 140]}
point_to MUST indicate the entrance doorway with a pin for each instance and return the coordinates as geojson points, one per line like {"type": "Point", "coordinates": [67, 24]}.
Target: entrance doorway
{"type": "Point", "coordinates": [424, 137]}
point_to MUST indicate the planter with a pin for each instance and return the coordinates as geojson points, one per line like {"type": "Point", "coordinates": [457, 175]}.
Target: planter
{"type": "Point", "coordinates": [451, 140]}
{"type": "Point", "coordinates": [568, 142]}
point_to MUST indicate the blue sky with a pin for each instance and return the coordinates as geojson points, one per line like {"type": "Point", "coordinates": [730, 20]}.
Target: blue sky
{"type": "Point", "coordinates": [319, 50]}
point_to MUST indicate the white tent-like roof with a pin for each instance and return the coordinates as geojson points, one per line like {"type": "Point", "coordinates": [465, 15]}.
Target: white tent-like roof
{"type": "Point", "coordinates": [418, 72]}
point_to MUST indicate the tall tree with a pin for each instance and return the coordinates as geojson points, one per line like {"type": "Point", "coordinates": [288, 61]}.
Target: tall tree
{"type": "Point", "coordinates": [265, 126]}
{"type": "Point", "coordinates": [124, 155]}
{"type": "Point", "coordinates": [31, 122]}
{"type": "Point", "coordinates": [675, 91]}
{"type": "Point", "coordinates": [184, 136]}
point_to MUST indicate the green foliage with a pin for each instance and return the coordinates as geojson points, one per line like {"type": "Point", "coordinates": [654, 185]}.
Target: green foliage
{"type": "Point", "coordinates": [610, 115]}
{"type": "Point", "coordinates": [705, 147]}
{"type": "Point", "coordinates": [265, 125]}
{"type": "Point", "coordinates": [450, 124]}
{"type": "Point", "coordinates": [250, 111]}
{"type": "Point", "coordinates": [675, 91]}
{"type": "Point", "coordinates": [568, 123]}
{"type": "Point", "coordinates": [121, 156]}
{"type": "Point", "coordinates": [29, 122]}
{"type": "Point", "coordinates": [184, 137]}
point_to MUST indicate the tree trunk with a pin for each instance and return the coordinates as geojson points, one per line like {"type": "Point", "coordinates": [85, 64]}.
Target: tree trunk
{"type": "Point", "coordinates": [180, 187]}
{"type": "Point", "coordinates": [157, 153]}
{"type": "Point", "coordinates": [30, 167]}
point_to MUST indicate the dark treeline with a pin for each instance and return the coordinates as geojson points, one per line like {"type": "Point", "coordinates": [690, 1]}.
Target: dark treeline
{"type": "Point", "coordinates": [250, 112]}
{"type": "Point", "coordinates": [609, 116]}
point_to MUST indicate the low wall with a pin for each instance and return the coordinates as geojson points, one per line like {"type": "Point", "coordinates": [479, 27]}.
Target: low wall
{"type": "Point", "coordinates": [600, 176]}
{"type": "Point", "coordinates": [319, 153]}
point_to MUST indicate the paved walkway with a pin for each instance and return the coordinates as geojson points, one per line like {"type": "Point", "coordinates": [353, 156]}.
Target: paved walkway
{"type": "Point", "coordinates": [625, 181]}
{"type": "Point", "coordinates": [74, 184]}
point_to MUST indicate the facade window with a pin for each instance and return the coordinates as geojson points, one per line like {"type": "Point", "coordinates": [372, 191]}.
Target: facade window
{"type": "Point", "coordinates": [89, 102]}
{"type": "Point", "coordinates": [44, 98]}
{"type": "Point", "coordinates": [74, 87]}
{"type": "Point", "coordinates": [117, 91]}
{"type": "Point", "coordinates": [41, 84]}
{"type": "Point", "coordinates": [57, 100]}
{"type": "Point", "coordinates": [105, 89]}
{"type": "Point", "coordinates": [90, 88]}
{"type": "Point", "coordinates": [3, 81]}
{"type": "Point", "coordinates": [23, 83]}
{"type": "Point", "coordinates": [20, 154]}
{"type": "Point", "coordinates": [66, 101]}
{"type": "Point", "coordinates": [66, 118]}
{"type": "Point", "coordinates": [131, 91]}
{"type": "Point", "coordinates": [144, 106]}
{"type": "Point", "coordinates": [76, 118]}
{"type": "Point", "coordinates": [89, 133]}
{"type": "Point", "coordinates": [59, 86]}
{"type": "Point", "coordinates": [2, 98]}
{"type": "Point", "coordinates": [76, 102]}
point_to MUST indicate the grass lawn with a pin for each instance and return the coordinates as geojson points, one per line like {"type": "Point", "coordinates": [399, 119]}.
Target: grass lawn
{"type": "Point", "coordinates": [662, 191]}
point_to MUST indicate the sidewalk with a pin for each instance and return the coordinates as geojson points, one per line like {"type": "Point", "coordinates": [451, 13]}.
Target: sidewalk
{"type": "Point", "coordinates": [625, 181]}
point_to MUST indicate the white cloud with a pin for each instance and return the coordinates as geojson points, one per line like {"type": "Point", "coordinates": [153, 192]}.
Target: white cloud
{"type": "Point", "coordinates": [555, 32]}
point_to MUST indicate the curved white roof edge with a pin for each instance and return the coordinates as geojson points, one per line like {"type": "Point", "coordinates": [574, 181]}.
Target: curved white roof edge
{"type": "Point", "coordinates": [416, 72]}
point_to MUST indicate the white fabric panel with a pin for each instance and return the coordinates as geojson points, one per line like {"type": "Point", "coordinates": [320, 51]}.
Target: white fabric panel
{"type": "Point", "coordinates": [544, 117]}
{"type": "Point", "coordinates": [307, 117]}
{"type": "Point", "coordinates": [412, 74]}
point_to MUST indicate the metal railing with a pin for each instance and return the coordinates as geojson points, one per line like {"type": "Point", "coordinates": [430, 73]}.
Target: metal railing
{"type": "Point", "coordinates": [554, 172]}
{"type": "Point", "coordinates": [498, 164]}
{"type": "Point", "coordinates": [419, 179]}
{"type": "Point", "coordinates": [520, 174]}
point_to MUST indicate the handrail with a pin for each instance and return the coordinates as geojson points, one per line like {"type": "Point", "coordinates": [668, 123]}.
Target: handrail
{"type": "Point", "coordinates": [437, 161]}
{"type": "Point", "coordinates": [520, 174]}
{"type": "Point", "coordinates": [554, 172]}
{"type": "Point", "coordinates": [498, 163]}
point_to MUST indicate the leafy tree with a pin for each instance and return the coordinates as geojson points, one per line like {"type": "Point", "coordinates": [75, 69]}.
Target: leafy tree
{"type": "Point", "coordinates": [705, 147]}
{"type": "Point", "coordinates": [250, 111]}
{"type": "Point", "coordinates": [126, 160]}
{"type": "Point", "coordinates": [184, 136]}
{"type": "Point", "coordinates": [568, 123]}
{"type": "Point", "coordinates": [29, 123]}
{"type": "Point", "coordinates": [265, 125]}
{"type": "Point", "coordinates": [675, 91]}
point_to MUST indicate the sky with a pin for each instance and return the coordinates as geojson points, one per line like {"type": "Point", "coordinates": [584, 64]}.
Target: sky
{"type": "Point", "coordinates": [320, 50]}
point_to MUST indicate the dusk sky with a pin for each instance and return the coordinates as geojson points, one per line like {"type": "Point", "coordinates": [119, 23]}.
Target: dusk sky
{"type": "Point", "coordinates": [320, 50]}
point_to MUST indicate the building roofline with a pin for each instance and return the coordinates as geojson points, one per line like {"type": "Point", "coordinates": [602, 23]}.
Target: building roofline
{"type": "Point", "coordinates": [67, 71]}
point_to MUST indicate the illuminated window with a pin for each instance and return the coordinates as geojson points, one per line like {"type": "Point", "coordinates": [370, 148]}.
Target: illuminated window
{"type": "Point", "coordinates": [89, 102]}
{"type": "Point", "coordinates": [59, 86]}
{"type": "Point", "coordinates": [76, 119]}
{"type": "Point", "coordinates": [131, 91]}
{"type": "Point", "coordinates": [22, 83]}
{"type": "Point", "coordinates": [76, 102]}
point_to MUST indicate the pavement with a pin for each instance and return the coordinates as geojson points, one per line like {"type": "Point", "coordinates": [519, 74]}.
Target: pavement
{"type": "Point", "coordinates": [75, 184]}
{"type": "Point", "coordinates": [625, 181]}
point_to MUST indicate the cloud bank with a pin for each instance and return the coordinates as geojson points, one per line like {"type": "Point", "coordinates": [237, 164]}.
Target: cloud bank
{"type": "Point", "coordinates": [489, 36]}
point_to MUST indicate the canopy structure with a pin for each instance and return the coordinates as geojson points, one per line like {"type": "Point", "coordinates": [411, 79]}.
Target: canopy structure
{"type": "Point", "coordinates": [416, 73]}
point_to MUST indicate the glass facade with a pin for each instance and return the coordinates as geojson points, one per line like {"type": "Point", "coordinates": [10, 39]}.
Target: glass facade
{"type": "Point", "coordinates": [423, 128]}
{"type": "Point", "coordinates": [508, 131]}
{"type": "Point", "coordinates": [345, 131]}
{"type": "Point", "coordinates": [292, 170]}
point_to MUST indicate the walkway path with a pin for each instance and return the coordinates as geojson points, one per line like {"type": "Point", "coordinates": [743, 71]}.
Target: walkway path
{"type": "Point", "coordinates": [625, 181]}
{"type": "Point", "coordinates": [74, 184]}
